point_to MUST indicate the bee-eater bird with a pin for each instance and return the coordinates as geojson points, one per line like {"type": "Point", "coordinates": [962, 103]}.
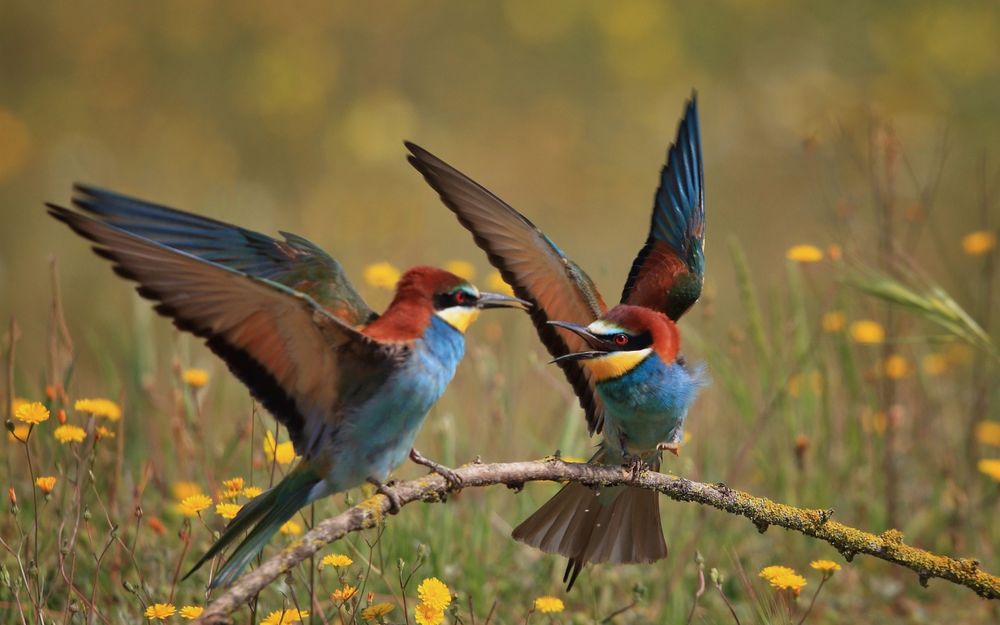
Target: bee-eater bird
{"type": "Point", "coordinates": [623, 363]}
{"type": "Point", "coordinates": [351, 386]}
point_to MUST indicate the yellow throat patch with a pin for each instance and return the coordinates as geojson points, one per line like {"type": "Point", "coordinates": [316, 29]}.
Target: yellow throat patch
{"type": "Point", "coordinates": [458, 317]}
{"type": "Point", "coordinates": [615, 364]}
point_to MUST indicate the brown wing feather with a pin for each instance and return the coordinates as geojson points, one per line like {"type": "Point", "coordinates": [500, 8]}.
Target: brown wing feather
{"type": "Point", "coordinates": [530, 262]}
{"type": "Point", "coordinates": [285, 347]}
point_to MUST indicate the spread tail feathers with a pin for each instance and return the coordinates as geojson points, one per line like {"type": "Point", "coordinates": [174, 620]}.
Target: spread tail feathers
{"type": "Point", "coordinates": [620, 525]}
{"type": "Point", "coordinates": [266, 513]}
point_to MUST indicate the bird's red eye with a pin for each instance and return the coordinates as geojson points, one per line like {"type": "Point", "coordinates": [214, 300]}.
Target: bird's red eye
{"type": "Point", "coordinates": [621, 339]}
{"type": "Point", "coordinates": [460, 297]}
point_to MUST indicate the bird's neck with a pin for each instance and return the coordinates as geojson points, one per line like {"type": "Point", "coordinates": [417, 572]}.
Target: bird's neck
{"type": "Point", "coordinates": [403, 320]}
{"type": "Point", "coordinates": [614, 365]}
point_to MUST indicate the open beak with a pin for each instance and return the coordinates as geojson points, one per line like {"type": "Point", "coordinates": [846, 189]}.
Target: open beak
{"type": "Point", "coordinates": [496, 300]}
{"type": "Point", "coordinates": [600, 346]}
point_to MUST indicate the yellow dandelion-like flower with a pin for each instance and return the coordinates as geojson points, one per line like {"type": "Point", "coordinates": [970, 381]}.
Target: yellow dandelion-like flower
{"type": "Point", "coordinates": [988, 433]}
{"type": "Point", "coordinates": [20, 433]}
{"type": "Point", "coordinates": [990, 467]}
{"type": "Point", "coordinates": [896, 367]}
{"type": "Point", "coordinates": [17, 403]}
{"type": "Point", "coordinates": [227, 510]}
{"type": "Point", "coordinates": [233, 483]}
{"type": "Point", "coordinates": [99, 407]}
{"type": "Point", "coordinates": [804, 254]}
{"type": "Point", "coordinates": [496, 283]}
{"type": "Point", "coordinates": [549, 605]}
{"type": "Point", "coordinates": [290, 528]}
{"type": "Point", "coordinates": [934, 364]}
{"type": "Point", "coordinates": [195, 378]}
{"type": "Point", "coordinates": [343, 594]}
{"type": "Point", "coordinates": [103, 432]}
{"type": "Point", "coordinates": [45, 484]}
{"type": "Point", "coordinates": [285, 617]}
{"type": "Point", "coordinates": [33, 413]}
{"type": "Point", "coordinates": [252, 491]}
{"type": "Point", "coordinates": [979, 242]}
{"type": "Point", "coordinates": [230, 494]}
{"type": "Point", "coordinates": [434, 593]}
{"type": "Point", "coordinates": [70, 434]}
{"type": "Point", "coordinates": [182, 490]}
{"type": "Point", "coordinates": [191, 612]}
{"type": "Point", "coordinates": [160, 611]}
{"type": "Point", "coordinates": [827, 566]}
{"type": "Point", "coordinates": [769, 572]}
{"type": "Point", "coordinates": [375, 611]}
{"type": "Point", "coordinates": [282, 453]}
{"type": "Point", "coordinates": [191, 506]}
{"type": "Point", "coordinates": [336, 559]}
{"type": "Point", "coordinates": [833, 321]}
{"type": "Point", "coordinates": [461, 268]}
{"type": "Point", "coordinates": [382, 275]}
{"type": "Point", "coordinates": [788, 581]}
{"type": "Point", "coordinates": [428, 615]}
{"type": "Point", "coordinates": [867, 332]}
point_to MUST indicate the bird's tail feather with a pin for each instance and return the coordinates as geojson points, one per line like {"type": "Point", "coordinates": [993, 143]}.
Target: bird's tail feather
{"type": "Point", "coordinates": [579, 522]}
{"type": "Point", "coordinates": [266, 513]}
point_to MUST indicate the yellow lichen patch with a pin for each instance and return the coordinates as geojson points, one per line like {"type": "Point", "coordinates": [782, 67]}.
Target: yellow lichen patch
{"type": "Point", "coordinates": [373, 506]}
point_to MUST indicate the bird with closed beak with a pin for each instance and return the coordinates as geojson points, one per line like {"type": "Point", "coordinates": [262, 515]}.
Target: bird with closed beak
{"type": "Point", "coordinates": [351, 386]}
{"type": "Point", "coordinates": [624, 363]}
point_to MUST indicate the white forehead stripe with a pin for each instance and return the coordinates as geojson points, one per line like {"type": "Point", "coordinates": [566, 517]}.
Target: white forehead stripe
{"type": "Point", "coordinates": [605, 327]}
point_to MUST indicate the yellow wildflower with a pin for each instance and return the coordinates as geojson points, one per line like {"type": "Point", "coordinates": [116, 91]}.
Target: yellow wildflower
{"type": "Point", "coordinates": [182, 490]}
{"type": "Point", "coordinates": [230, 494]}
{"type": "Point", "coordinates": [285, 617]}
{"type": "Point", "coordinates": [33, 413]}
{"type": "Point", "coordinates": [99, 407]}
{"type": "Point", "coordinates": [867, 332]}
{"type": "Point", "coordinates": [17, 403]}
{"type": "Point", "coordinates": [227, 510]}
{"type": "Point", "coordinates": [382, 275]}
{"type": "Point", "coordinates": [495, 282]}
{"type": "Point", "coordinates": [45, 484]}
{"type": "Point", "coordinates": [896, 367]}
{"type": "Point", "coordinates": [20, 433]}
{"type": "Point", "coordinates": [191, 506]}
{"type": "Point", "coordinates": [160, 611]}
{"type": "Point", "coordinates": [233, 483]}
{"type": "Point", "coordinates": [990, 467]}
{"type": "Point", "coordinates": [769, 572]}
{"type": "Point", "coordinates": [988, 433]}
{"type": "Point", "coordinates": [103, 432]}
{"type": "Point", "coordinates": [829, 567]}
{"type": "Point", "coordinates": [195, 378]}
{"type": "Point", "coordinates": [804, 254]}
{"type": "Point", "coordinates": [191, 612]}
{"type": "Point", "coordinates": [461, 268]}
{"type": "Point", "coordinates": [979, 242]}
{"type": "Point", "coordinates": [549, 605]}
{"type": "Point", "coordinates": [378, 610]}
{"type": "Point", "coordinates": [336, 559]}
{"type": "Point", "coordinates": [282, 453]}
{"type": "Point", "coordinates": [70, 434]}
{"type": "Point", "coordinates": [434, 593]}
{"type": "Point", "coordinates": [788, 581]}
{"type": "Point", "coordinates": [935, 364]}
{"type": "Point", "coordinates": [252, 491]}
{"type": "Point", "coordinates": [291, 528]}
{"type": "Point", "coordinates": [833, 321]}
{"type": "Point", "coordinates": [428, 615]}
{"type": "Point", "coordinates": [343, 594]}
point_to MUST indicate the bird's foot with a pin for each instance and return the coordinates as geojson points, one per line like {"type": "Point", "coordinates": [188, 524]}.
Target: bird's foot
{"type": "Point", "coordinates": [634, 464]}
{"type": "Point", "coordinates": [453, 479]}
{"type": "Point", "coordinates": [673, 448]}
{"type": "Point", "coordinates": [383, 489]}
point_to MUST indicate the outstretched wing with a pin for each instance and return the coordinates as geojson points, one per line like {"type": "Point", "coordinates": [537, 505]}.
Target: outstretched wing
{"type": "Point", "coordinates": [530, 262]}
{"type": "Point", "coordinates": [669, 271]}
{"type": "Point", "coordinates": [291, 353]}
{"type": "Point", "coordinates": [295, 262]}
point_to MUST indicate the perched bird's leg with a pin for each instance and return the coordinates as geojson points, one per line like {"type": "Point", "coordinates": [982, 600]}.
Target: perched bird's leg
{"type": "Point", "coordinates": [673, 448]}
{"type": "Point", "coordinates": [633, 462]}
{"type": "Point", "coordinates": [394, 503]}
{"type": "Point", "coordinates": [453, 479]}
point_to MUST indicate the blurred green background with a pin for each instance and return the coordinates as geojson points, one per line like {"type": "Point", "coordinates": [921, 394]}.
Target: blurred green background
{"type": "Point", "coordinates": [293, 117]}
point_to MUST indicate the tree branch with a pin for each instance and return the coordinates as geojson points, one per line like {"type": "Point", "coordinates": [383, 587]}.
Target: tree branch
{"type": "Point", "coordinates": [761, 512]}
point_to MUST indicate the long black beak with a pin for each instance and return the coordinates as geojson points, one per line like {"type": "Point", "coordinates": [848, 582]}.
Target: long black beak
{"type": "Point", "coordinates": [497, 300]}
{"type": "Point", "coordinates": [600, 346]}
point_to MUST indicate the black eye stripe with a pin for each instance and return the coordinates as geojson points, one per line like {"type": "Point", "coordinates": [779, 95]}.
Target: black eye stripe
{"type": "Point", "coordinates": [635, 342]}
{"type": "Point", "coordinates": [448, 300]}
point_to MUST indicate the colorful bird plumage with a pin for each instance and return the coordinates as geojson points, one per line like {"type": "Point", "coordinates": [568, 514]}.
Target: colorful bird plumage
{"type": "Point", "coordinates": [638, 392]}
{"type": "Point", "coordinates": [351, 387]}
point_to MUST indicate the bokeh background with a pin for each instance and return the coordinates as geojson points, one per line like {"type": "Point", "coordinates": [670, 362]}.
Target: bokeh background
{"type": "Point", "coordinates": [293, 117]}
